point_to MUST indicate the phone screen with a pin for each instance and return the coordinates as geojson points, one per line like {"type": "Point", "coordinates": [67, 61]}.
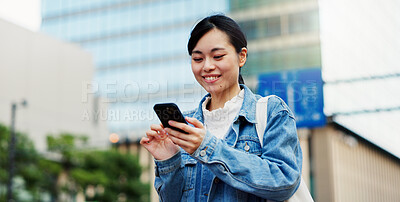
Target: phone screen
{"type": "Point", "coordinates": [169, 111]}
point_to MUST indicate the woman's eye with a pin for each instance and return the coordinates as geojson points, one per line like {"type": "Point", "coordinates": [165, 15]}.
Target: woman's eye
{"type": "Point", "coordinates": [218, 56]}
{"type": "Point", "coordinates": [197, 59]}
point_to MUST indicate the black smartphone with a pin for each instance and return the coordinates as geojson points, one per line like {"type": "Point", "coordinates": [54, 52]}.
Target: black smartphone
{"type": "Point", "coordinates": [169, 111]}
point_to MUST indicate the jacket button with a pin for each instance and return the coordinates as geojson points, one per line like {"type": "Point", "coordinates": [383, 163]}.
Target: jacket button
{"type": "Point", "coordinates": [202, 153]}
{"type": "Point", "coordinates": [247, 148]}
{"type": "Point", "coordinates": [216, 180]}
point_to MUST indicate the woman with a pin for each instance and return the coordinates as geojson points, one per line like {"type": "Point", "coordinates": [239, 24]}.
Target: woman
{"type": "Point", "coordinates": [221, 158]}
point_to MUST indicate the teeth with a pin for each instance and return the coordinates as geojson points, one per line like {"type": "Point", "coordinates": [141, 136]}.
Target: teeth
{"type": "Point", "coordinates": [210, 78]}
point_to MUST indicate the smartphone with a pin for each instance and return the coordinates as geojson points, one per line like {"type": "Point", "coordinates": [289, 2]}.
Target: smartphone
{"type": "Point", "coordinates": [169, 111]}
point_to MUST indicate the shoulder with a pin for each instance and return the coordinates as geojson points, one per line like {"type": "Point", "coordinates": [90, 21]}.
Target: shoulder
{"type": "Point", "coordinates": [276, 106]}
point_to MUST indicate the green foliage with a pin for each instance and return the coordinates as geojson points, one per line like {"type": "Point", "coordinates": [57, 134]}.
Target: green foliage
{"type": "Point", "coordinates": [65, 145]}
{"type": "Point", "coordinates": [102, 175]}
{"type": "Point", "coordinates": [116, 173]}
{"type": "Point", "coordinates": [4, 138]}
{"type": "Point", "coordinates": [26, 163]}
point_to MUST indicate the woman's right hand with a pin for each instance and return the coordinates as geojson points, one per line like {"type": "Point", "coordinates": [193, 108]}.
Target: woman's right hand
{"type": "Point", "coordinates": [158, 143]}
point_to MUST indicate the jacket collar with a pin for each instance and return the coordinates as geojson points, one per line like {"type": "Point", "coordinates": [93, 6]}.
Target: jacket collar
{"type": "Point", "coordinates": [248, 109]}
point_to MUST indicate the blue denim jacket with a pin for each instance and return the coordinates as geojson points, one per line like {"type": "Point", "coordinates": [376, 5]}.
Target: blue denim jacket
{"type": "Point", "coordinates": [237, 168]}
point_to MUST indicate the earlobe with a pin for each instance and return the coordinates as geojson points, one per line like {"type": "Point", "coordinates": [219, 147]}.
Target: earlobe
{"type": "Point", "coordinates": [242, 56]}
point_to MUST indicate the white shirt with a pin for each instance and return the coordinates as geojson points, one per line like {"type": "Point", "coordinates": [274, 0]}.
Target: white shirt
{"type": "Point", "coordinates": [219, 121]}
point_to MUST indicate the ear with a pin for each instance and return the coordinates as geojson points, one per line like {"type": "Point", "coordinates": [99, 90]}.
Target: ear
{"type": "Point", "coordinates": [242, 57]}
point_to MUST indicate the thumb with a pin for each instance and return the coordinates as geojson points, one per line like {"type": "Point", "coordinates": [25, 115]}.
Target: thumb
{"type": "Point", "coordinates": [196, 123]}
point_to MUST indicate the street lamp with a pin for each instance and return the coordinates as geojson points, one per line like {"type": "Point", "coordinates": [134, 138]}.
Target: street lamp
{"type": "Point", "coordinates": [11, 148]}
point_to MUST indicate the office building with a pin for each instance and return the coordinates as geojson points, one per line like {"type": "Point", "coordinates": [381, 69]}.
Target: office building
{"type": "Point", "coordinates": [139, 48]}
{"type": "Point", "coordinates": [52, 77]}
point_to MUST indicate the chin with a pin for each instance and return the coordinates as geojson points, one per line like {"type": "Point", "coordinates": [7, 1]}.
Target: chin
{"type": "Point", "coordinates": [213, 89]}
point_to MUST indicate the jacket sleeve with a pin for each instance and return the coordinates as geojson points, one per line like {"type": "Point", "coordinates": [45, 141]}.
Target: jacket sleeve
{"type": "Point", "coordinates": [169, 178]}
{"type": "Point", "coordinates": [274, 175]}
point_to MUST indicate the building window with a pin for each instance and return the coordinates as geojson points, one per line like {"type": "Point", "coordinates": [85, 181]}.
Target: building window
{"type": "Point", "coordinates": [269, 27]}
{"type": "Point", "coordinates": [250, 29]}
{"type": "Point", "coordinates": [262, 28]}
{"type": "Point", "coordinates": [303, 22]}
{"type": "Point", "coordinates": [283, 59]}
{"type": "Point", "coordinates": [243, 4]}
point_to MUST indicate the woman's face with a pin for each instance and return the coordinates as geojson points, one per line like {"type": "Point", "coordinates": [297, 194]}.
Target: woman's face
{"type": "Point", "coordinates": [215, 63]}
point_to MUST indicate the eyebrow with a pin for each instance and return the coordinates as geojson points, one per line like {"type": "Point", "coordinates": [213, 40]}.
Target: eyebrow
{"type": "Point", "coordinates": [212, 50]}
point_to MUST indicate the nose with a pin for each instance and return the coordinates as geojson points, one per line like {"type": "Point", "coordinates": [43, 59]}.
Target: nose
{"type": "Point", "coordinates": [208, 65]}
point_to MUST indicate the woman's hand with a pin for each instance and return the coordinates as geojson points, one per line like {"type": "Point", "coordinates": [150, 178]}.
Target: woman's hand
{"type": "Point", "coordinates": [191, 141]}
{"type": "Point", "coordinates": [158, 143]}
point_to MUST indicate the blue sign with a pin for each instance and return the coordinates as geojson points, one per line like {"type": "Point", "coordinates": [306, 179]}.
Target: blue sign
{"type": "Point", "coordinates": [302, 90]}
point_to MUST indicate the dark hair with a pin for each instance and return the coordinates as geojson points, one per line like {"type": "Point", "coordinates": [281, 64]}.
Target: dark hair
{"type": "Point", "coordinates": [222, 23]}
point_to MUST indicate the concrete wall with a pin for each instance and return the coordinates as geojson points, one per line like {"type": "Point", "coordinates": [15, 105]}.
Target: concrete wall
{"type": "Point", "coordinates": [52, 76]}
{"type": "Point", "coordinates": [347, 168]}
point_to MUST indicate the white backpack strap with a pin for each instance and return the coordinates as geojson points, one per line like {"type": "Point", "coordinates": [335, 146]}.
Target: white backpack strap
{"type": "Point", "coordinates": [302, 194]}
{"type": "Point", "coordinates": [262, 117]}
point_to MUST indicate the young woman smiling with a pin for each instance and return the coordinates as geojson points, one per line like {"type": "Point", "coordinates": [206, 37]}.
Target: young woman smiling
{"type": "Point", "coordinates": [221, 158]}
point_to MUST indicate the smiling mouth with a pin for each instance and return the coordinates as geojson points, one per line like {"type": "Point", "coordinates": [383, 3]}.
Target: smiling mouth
{"type": "Point", "coordinates": [211, 78]}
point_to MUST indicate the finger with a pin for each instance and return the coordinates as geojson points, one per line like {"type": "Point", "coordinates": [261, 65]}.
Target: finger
{"type": "Point", "coordinates": [144, 140]}
{"type": "Point", "coordinates": [163, 133]}
{"type": "Point", "coordinates": [159, 130]}
{"type": "Point", "coordinates": [196, 123]}
{"type": "Point", "coordinates": [151, 134]}
{"type": "Point", "coordinates": [156, 127]}
{"type": "Point", "coordinates": [176, 134]}
{"type": "Point", "coordinates": [189, 147]}
{"type": "Point", "coordinates": [182, 143]}
{"type": "Point", "coordinates": [183, 126]}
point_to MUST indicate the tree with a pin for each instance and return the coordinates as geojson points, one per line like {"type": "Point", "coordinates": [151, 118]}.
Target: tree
{"type": "Point", "coordinates": [102, 175]}
{"type": "Point", "coordinates": [29, 166]}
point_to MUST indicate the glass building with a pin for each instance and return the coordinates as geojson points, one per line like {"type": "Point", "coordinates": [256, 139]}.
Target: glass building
{"type": "Point", "coordinates": [282, 35]}
{"type": "Point", "coordinates": [139, 51]}
{"type": "Point", "coordinates": [139, 47]}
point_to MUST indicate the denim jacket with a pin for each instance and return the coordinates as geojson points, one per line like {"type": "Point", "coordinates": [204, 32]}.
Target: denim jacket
{"type": "Point", "coordinates": [237, 168]}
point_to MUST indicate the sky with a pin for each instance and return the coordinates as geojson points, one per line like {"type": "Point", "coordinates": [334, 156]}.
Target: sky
{"type": "Point", "coordinates": [27, 16]}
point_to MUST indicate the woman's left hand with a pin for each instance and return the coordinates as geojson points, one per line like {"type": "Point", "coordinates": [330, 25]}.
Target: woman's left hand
{"type": "Point", "coordinates": [191, 141]}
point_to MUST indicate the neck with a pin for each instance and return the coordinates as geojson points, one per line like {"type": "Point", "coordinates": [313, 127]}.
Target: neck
{"type": "Point", "coordinates": [219, 100]}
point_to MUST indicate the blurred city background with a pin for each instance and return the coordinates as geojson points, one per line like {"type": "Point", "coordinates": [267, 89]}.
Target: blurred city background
{"type": "Point", "coordinates": [79, 83]}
